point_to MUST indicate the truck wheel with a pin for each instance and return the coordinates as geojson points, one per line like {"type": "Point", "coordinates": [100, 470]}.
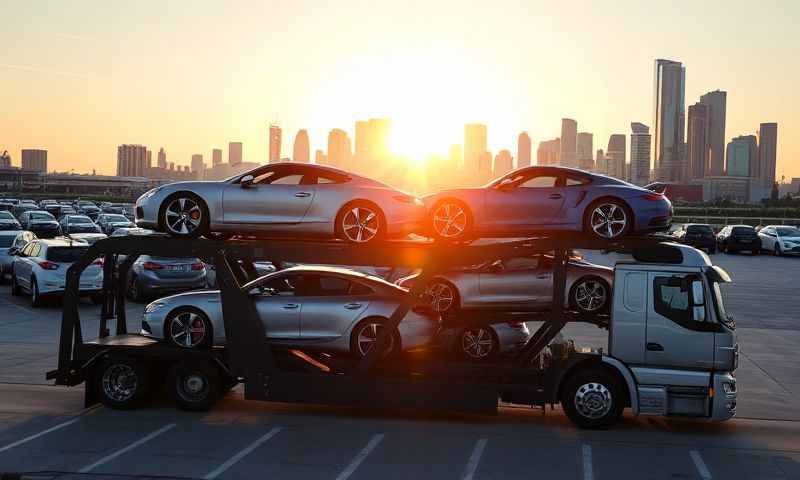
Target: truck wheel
{"type": "Point", "coordinates": [121, 382]}
{"type": "Point", "coordinates": [593, 399]}
{"type": "Point", "coordinates": [195, 386]}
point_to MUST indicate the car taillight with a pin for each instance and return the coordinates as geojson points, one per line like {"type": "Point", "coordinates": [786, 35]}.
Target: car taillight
{"type": "Point", "coordinates": [516, 325]}
{"type": "Point", "coordinates": [152, 266]}
{"type": "Point", "coordinates": [48, 265]}
{"type": "Point", "coordinates": [653, 197]}
{"type": "Point", "coordinates": [198, 266]}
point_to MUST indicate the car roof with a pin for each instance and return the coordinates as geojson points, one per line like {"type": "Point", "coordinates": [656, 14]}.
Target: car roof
{"type": "Point", "coordinates": [57, 242]}
{"type": "Point", "coordinates": [335, 271]}
{"type": "Point", "coordinates": [12, 233]}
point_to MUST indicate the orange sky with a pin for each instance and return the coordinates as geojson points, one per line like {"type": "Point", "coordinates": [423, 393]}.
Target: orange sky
{"type": "Point", "coordinates": [80, 77]}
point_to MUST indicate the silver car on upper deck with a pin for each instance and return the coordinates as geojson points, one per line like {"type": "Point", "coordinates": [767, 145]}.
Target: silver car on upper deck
{"type": "Point", "coordinates": [283, 199]}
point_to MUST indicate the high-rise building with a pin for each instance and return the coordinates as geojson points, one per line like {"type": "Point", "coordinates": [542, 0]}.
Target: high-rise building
{"type": "Point", "coordinates": [640, 154]}
{"type": "Point", "coordinates": [149, 162]}
{"type": "Point", "coordinates": [197, 166]}
{"type": "Point", "coordinates": [474, 146]}
{"type": "Point", "coordinates": [162, 158]}
{"type": "Point", "coordinates": [569, 142]}
{"type": "Point", "coordinates": [484, 167]}
{"type": "Point", "coordinates": [131, 161]}
{"type": "Point", "coordinates": [339, 149]}
{"type": "Point", "coordinates": [34, 159]}
{"type": "Point", "coordinates": [767, 154]}
{"type": "Point", "coordinates": [234, 153]}
{"type": "Point", "coordinates": [668, 120]}
{"type": "Point", "coordinates": [600, 162]}
{"type": "Point", "coordinates": [584, 151]}
{"type": "Point", "coordinates": [320, 158]}
{"type": "Point", "coordinates": [615, 156]}
{"type": "Point", "coordinates": [371, 144]}
{"type": "Point", "coordinates": [301, 151]}
{"type": "Point", "coordinates": [742, 154]}
{"type": "Point", "coordinates": [715, 103]}
{"type": "Point", "coordinates": [548, 152]}
{"type": "Point", "coordinates": [5, 159]}
{"type": "Point", "coordinates": [216, 157]}
{"type": "Point", "coordinates": [274, 143]}
{"type": "Point", "coordinates": [503, 163]}
{"type": "Point", "coordinates": [697, 146]}
{"type": "Point", "coordinates": [523, 150]}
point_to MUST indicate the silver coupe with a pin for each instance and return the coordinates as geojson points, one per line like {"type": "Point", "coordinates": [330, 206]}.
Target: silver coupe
{"type": "Point", "coordinates": [283, 199]}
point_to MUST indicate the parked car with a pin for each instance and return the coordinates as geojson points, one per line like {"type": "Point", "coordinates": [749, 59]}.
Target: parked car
{"type": "Point", "coordinates": [534, 199]}
{"type": "Point", "coordinates": [780, 239]}
{"type": "Point", "coordinates": [11, 201]}
{"type": "Point", "coordinates": [45, 203]}
{"type": "Point", "coordinates": [11, 240]}
{"type": "Point", "coordinates": [283, 198]}
{"type": "Point", "coordinates": [332, 309]}
{"type": "Point", "coordinates": [40, 269]}
{"type": "Point", "coordinates": [108, 222]}
{"type": "Point", "coordinates": [21, 208]}
{"type": "Point", "coordinates": [737, 238]}
{"type": "Point", "coordinates": [128, 209]}
{"type": "Point", "coordinates": [518, 284]}
{"type": "Point", "coordinates": [88, 238]}
{"type": "Point", "coordinates": [698, 235]}
{"type": "Point", "coordinates": [108, 207]}
{"type": "Point", "coordinates": [53, 209]}
{"type": "Point", "coordinates": [43, 224]}
{"type": "Point", "coordinates": [150, 276]}
{"type": "Point", "coordinates": [89, 209]}
{"type": "Point", "coordinates": [8, 222]}
{"type": "Point", "coordinates": [6, 206]}
{"type": "Point", "coordinates": [125, 231]}
{"type": "Point", "coordinates": [78, 224]}
{"type": "Point", "coordinates": [65, 210]}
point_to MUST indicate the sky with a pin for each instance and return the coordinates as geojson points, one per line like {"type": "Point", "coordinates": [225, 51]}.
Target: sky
{"type": "Point", "coordinates": [80, 77]}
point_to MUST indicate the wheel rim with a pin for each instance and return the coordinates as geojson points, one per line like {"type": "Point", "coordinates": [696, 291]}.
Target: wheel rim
{"type": "Point", "coordinates": [609, 220]}
{"type": "Point", "coordinates": [360, 224]}
{"type": "Point", "coordinates": [193, 387]}
{"type": "Point", "coordinates": [477, 343]}
{"type": "Point", "coordinates": [593, 400]}
{"type": "Point", "coordinates": [368, 336]}
{"type": "Point", "coordinates": [120, 382]}
{"type": "Point", "coordinates": [590, 295]}
{"type": "Point", "coordinates": [183, 216]}
{"type": "Point", "coordinates": [449, 220]}
{"type": "Point", "coordinates": [442, 296]}
{"type": "Point", "coordinates": [187, 329]}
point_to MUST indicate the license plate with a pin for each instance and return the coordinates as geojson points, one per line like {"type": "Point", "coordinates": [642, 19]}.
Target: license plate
{"type": "Point", "coordinates": [177, 268]}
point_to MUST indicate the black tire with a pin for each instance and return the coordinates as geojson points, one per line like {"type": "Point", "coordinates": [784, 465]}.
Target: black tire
{"type": "Point", "coordinates": [599, 394]}
{"type": "Point", "coordinates": [192, 316]}
{"type": "Point", "coordinates": [360, 351]}
{"type": "Point", "coordinates": [121, 382]}
{"type": "Point", "coordinates": [202, 226]}
{"type": "Point", "coordinates": [195, 386]}
{"type": "Point", "coordinates": [16, 290]}
{"type": "Point", "coordinates": [344, 228]}
{"type": "Point", "coordinates": [576, 304]}
{"type": "Point", "coordinates": [776, 250]}
{"type": "Point", "coordinates": [463, 220]}
{"type": "Point", "coordinates": [135, 290]}
{"type": "Point", "coordinates": [471, 344]}
{"type": "Point", "coordinates": [36, 297]}
{"type": "Point", "coordinates": [620, 205]}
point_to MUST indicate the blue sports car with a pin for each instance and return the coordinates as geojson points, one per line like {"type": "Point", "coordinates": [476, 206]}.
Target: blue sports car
{"type": "Point", "coordinates": [535, 199]}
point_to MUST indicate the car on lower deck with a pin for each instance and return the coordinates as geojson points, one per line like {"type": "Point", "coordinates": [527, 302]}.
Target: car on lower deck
{"type": "Point", "coordinates": [151, 276]}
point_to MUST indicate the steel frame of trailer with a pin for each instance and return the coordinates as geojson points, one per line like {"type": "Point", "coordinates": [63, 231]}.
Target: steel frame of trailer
{"type": "Point", "coordinates": [437, 384]}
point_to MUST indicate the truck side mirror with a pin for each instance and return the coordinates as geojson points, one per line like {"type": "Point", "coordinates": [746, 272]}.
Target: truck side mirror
{"type": "Point", "coordinates": [697, 293]}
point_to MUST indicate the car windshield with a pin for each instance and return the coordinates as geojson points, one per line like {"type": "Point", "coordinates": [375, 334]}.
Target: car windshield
{"type": "Point", "coordinates": [6, 215]}
{"type": "Point", "coordinates": [80, 219]}
{"type": "Point", "coordinates": [115, 218]}
{"type": "Point", "coordinates": [65, 254]}
{"type": "Point", "coordinates": [41, 216]}
{"type": "Point", "coordinates": [6, 241]}
{"type": "Point", "coordinates": [743, 231]}
{"type": "Point", "coordinates": [699, 229]}
{"type": "Point", "coordinates": [788, 231]}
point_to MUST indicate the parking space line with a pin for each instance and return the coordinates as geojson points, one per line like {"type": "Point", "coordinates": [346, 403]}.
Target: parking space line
{"type": "Point", "coordinates": [37, 435]}
{"type": "Point", "coordinates": [249, 449]}
{"type": "Point", "coordinates": [700, 465]}
{"type": "Point", "coordinates": [137, 443]}
{"type": "Point", "coordinates": [373, 442]}
{"type": "Point", "coordinates": [474, 459]}
{"type": "Point", "coordinates": [588, 470]}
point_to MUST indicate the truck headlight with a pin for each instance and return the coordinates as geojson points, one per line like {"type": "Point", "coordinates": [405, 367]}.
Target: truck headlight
{"type": "Point", "coordinates": [729, 388]}
{"type": "Point", "coordinates": [152, 307]}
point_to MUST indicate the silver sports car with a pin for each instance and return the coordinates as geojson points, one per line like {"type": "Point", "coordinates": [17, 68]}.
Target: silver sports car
{"type": "Point", "coordinates": [284, 199]}
{"type": "Point", "coordinates": [332, 309]}
{"type": "Point", "coordinates": [519, 284]}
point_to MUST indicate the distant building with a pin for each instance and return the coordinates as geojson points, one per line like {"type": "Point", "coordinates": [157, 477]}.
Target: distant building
{"type": "Point", "coordinates": [767, 154]}
{"type": "Point", "coordinates": [600, 162]}
{"type": "Point", "coordinates": [216, 157]}
{"type": "Point", "coordinates": [503, 163]}
{"type": "Point", "coordinates": [301, 151]}
{"type": "Point", "coordinates": [615, 156]}
{"type": "Point", "coordinates": [371, 144]}
{"type": "Point", "coordinates": [640, 154]}
{"type": "Point", "coordinates": [149, 162]}
{"type": "Point", "coordinates": [569, 142]}
{"type": "Point", "coordinates": [455, 156]}
{"type": "Point", "coordinates": [34, 159]}
{"type": "Point", "coordinates": [741, 154]}
{"type": "Point", "coordinates": [697, 142]}
{"type": "Point", "coordinates": [715, 103]}
{"type": "Point", "coordinates": [340, 152]}
{"type": "Point", "coordinates": [668, 120]}
{"type": "Point", "coordinates": [735, 189]}
{"type": "Point", "coordinates": [197, 166]}
{"type": "Point", "coordinates": [222, 171]}
{"type": "Point", "coordinates": [234, 153]}
{"type": "Point", "coordinates": [484, 167]}
{"type": "Point", "coordinates": [162, 159]}
{"type": "Point", "coordinates": [5, 160]}
{"type": "Point", "coordinates": [523, 150]}
{"type": "Point", "coordinates": [548, 152]}
{"type": "Point", "coordinates": [320, 158]}
{"type": "Point", "coordinates": [585, 150]}
{"type": "Point", "coordinates": [274, 143]}
{"type": "Point", "coordinates": [131, 161]}
{"type": "Point", "coordinates": [474, 146]}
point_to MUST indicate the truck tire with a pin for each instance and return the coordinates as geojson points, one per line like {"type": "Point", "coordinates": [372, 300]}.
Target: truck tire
{"type": "Point", "coordinates": [195, 386]}
{"type": "Point", "coordinates": [593, 399]}
{"type": "Point", "coordinates": [121, 382]}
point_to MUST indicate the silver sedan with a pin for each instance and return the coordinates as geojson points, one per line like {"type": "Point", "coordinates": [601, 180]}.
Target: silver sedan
{"type": "Point", "coordinates": [519, 284]}
{"type": "Point", "coordinates": [330, 309]}
{"type": "Point", "coordinates": [283, 199]}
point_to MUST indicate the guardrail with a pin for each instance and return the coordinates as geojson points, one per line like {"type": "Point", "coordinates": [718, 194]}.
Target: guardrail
{"type": "Point", "coordinates": [722, 221]}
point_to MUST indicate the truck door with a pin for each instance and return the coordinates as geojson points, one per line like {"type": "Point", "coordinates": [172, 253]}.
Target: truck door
{"type": "Point", "coordinates": [680, 334]}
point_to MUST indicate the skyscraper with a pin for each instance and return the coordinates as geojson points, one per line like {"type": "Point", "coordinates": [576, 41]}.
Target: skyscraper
{"type": "Point", "coordinates": [668, 120]}
{"type": "Point", "coordinates": [234, 153]}
{"type": "Point", "coordinates": [274, 143]}
{"type": "Point", "coordinates": [585, 148]}
{"type": "Point", "coordinates": [34, 159]}
{"type": "Point", "coordinates": [162, 159]}
{"type": "Point", "coordinates": [548, 152]}
{"type": "Point", "coordinates": [131, 161]}
{"type": "Point", "coordinates": [474, 146]}
{"type": "Point", "coordinates": [741, 154]}
{"type": "Point", "coordinates": [767, 148]}
{"type": "Point", "coordinates": [484, 167]}
{"type": "Point", "coordinates": [523, 150]}
{"type": "Point", "coordinates": [371, 143]}
{"type": "Point", "coordinates": [149, 161]}
{"type": "Point", "coordinates": [600, 162]}
{"type": "Point", "coordinates": [301, 151]}
{"type": "Point", "coordinates": [697, 141]}
{"type": "Point", "coordinates": [320, 158]}
{"type": "Point", "coordinates": [216, 157]}
{"type": "Point", "coordinates": [197, 166]}
{"type": "Point", "coordinates": [569, 140]}
{"type": "Point", "coordinates": [615, 156]}
{"type": "Point", "coordinates": [503, 163]}
{"type": "Point", "coordinates": [640, 154]}
{"type": "Point", "coordinates": [339, 149]}
{"type": "Point", "coordinates": [715, 103]}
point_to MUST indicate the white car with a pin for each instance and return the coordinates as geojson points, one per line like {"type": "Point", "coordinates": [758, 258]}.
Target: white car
{"type": "Point", "coordinates": [780, 239]}
{"type": "Point", "coordinates": [11, 240]}
{"type": "Point", "coordinates": [40, 268]}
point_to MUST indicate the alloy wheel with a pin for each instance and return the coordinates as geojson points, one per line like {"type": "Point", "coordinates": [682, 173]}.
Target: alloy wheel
{"type": "Point", "coordinates": [183, 216]}
{"type": "Point", "coordinates": [477, 343]}
{"type": "Point", "coordinates": [608, 220]}
{"type": "Point", "coordinates": [360, 224]}
{"type": "Point", "coordinates": [593, 400]}
{"type": "Point", "coordinates": [187, 329]}
{"type": "Point", "coordinates": [441, 296]}
{"type": "Point", "coordinates": [368, 336]}
{"type": "Point", "coordinates": [590, 295]}
{"type": "Point", "coordinates": [120, 382]}
{"type": "Point", "coordinates": [449, 220]}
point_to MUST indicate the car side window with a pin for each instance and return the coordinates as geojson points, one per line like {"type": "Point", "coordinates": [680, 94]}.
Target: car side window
{"type": "Point", "coordinates": [521, 264]}
{"type": "Point", "coordinates": [330, 286]}
{"type": "Point", "coordinates": [328, 177]}
{"type": "Point", "coordinates": [292, 179]}
{"type": "Point", "coordinates": [574, 180]}
{"type": "Point", "coordinates": [672, 300]}
{"type": "Point", "coordinates": [36, 250]}
{"type": "Point", "coordinates": [540, 181]}
{"type": "Point", "coordinates": [282, 286]}
{"type": "Point", "coordinates": [360, 289]}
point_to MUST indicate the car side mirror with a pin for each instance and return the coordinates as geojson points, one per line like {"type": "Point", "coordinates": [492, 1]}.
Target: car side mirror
{"type": "Point", "coordinates": [246, 181]}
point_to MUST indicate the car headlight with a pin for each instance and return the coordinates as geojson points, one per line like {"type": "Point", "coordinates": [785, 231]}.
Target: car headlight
{"type": "Point", "coordinates": [152, 307]}
{"type": "Point", "coordinates": [729, 388]}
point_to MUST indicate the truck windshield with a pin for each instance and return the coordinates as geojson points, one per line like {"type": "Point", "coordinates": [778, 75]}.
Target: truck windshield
{"type": "Point", "coordinates": [719, 304]}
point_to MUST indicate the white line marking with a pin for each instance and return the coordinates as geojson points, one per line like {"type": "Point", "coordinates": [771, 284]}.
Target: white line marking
{"type": "Point", "coordinates": [588, 472]}
{"type": "Point", "coordinates": [137, 443]}
{"type": "Point", "coordinates": [474, 459]}
{"type": "Point", "coordinates": [374, 441]}
{"type": "Point", "coordinates": [700, 465]}
{"type": "Point", "coordinates": [37, 435]}
{"type": "Point", "coordinates": [247, 451]}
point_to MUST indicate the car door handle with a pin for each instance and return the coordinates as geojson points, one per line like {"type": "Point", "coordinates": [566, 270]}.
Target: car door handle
{"type": "Point", "coordinates": [290, 306]}
{"type": "Point", "coordinates": [302, 194]}
{"type": "Point", "coordinates": [654, 347]}
{"type": "Point", "coordinates": [543, 275]}
{"type": "Point", "coordinates": [352, 306]}
{"type": "Point", "coordinates": [555, 196]}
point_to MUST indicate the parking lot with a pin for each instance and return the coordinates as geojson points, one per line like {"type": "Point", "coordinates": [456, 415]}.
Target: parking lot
{"type": "Point", "coordinates": [45, 428]}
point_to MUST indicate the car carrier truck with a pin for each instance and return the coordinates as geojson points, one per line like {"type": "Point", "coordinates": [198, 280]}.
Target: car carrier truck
{"type": "Point", "coordinates": [671, 350]}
